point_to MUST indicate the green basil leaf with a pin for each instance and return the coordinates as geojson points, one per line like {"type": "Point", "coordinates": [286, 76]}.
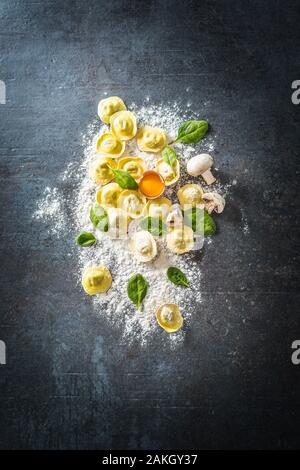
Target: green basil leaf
{"type": "Point", "coordinates": [137, 289]}
{"type": "Point", "coordinates": [190, 132]}
{"type": "Point", "coordinates": [200, 221]}
{"type": "Point", "coordinates": [194, 218]}
{"type": "Point", "coordinates": [170, 157]}
{"type": "Point", "coordinates": [154, 225]}
{"type": "Point", "coordinates": [99, 217]}
{"type": "Point", "coordinates": [177, 277]}
{"type": "Point", "coordinates": [85, 239]}
{"type": "Point", "coordinates": [210, 227]}
{"type": "Point", "coordinates": [124, 179]}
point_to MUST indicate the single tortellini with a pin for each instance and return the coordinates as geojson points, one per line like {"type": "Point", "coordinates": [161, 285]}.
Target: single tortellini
{"type": "Point", "coordinates": [169, 174]}
{"type": "Point", "coordinates": [132, 202]}
{"type": "Point", "coordinates": [123, 125]}
{"type": "Point", "coordinates": [117, 223]}
{"type": "Point", "coordinates": [143, 245]}
{"type": "Point", "coordinates": [151, 139]}
{"type": "Point", "coordinates": [108, 195]}
{"type": "Point", "coordinates": [181, 239]}
{"type": "Point", "coordinates": [100, 172]}
{"type": "Point", "coordinates": [174, 217]}
{"type": "Point", "coordinates": [109, 106]}
{"type": "Point", "coordinates": [96, 280]}
{"type": "Point", "coordinates": [190, 195]}
{"type": "Point", "coordinates": [158, 207]}
{"type": "Point", "coordinates": [169, 317]}
{"type": "Point", "coordinates": [133, 165]}
{"type": "Point", "coordinates": [109, 145]}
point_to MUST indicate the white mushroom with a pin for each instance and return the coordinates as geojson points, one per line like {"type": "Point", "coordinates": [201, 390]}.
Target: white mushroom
{"type": "Point", "coordinates": [213, 202]}
{"type": "Point", "coordinates": [201, 165]}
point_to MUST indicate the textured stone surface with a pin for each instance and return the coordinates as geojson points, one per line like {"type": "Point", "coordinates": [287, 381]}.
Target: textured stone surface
{"type": "Point", "coordinates": [69, 382]}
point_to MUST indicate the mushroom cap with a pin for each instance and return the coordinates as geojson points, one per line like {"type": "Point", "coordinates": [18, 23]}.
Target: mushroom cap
{"type": "Point", "coordinates": [213, 202]}
{"type": "Point", "coordinates": [199, 164]}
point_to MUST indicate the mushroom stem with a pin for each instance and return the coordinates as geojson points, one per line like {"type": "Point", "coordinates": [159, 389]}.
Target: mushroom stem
{"type": "Point", "coordinates": [208, 177]}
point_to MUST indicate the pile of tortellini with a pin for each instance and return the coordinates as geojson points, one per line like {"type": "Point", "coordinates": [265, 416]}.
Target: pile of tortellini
{"type": "Point", "coordinates": [125, 205]}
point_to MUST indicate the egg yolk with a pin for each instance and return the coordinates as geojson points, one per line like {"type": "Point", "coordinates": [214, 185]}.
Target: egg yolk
{"type": "Point", "coordinates": [152, 184]}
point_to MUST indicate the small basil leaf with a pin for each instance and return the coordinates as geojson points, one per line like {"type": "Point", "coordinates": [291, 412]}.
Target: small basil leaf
{"type": "Point", "coordinates": [137, 289]}
{"type": "Point", "coordinates": [124, 179]}
{"type": "Point", "coordinates": [99, 217]}
{"type": "Point", "coordinates": [200, 221]}
{"type": "Point", "coordinates": [170, 157]}
{"type": "Point", "coordinates": [210, 227]}
{"type": "Point", "coordinates": [154, 225]}
{"type": "Point", "coordinates": [190, 132]}
{"type": "Point", "coordinates": [85, 239]}
{"type": "Point", "coordinates": [177, 277]}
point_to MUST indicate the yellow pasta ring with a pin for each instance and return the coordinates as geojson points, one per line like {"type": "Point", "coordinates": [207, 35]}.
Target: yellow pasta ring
{"type": "Point", "coordinates": [107, 144]}
{"type": "Point", "coordinates": [172, 175]}
{"type": "Point", "coordinates": [151, 139]}
{"type": "Point", "coordinates": [135, 166]}
{"type": "Point", "coordinates": [109, 106]}
{"type": "Point", "coordinates": [123, 125]}
{"type": "Point", "coordinates": [96, 280]}
{"type": "Point", "coordinates": [160, 202]}
{"type": "Point", "coordinates": [169, 318]}
{"type": "Point", "coordinates": [99, 170]}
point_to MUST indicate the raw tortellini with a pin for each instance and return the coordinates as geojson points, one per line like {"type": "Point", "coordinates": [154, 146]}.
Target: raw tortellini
{"type": "Point", "coordinates": [158, 207]}
{"type": "Point", "coordinates": [108, 195]}
{"type": "Point", "coordinates": [181, 239]}
{"type": "Point", "coordinates": [117, 223]}
{"type": "Point", "coordinates": [100, 171]}
{"type": "Point", "coordinates": [151, 139]}
{"type": "Point", "coordinates": [169, 174]}
{"type": "Point", "coordinates": [96, 280]}
{"type": "Point", "coordinates": [190, 195]}
{"type": "Point", "coordinates": [132, 202]}
{"type": "Point", "coordinates": [174, 217]}
{"type": "Point", "coordinates": [133, 165]}
{"type": "Point", "coordinates": [109, 106]}
{"type": "Point", "coordinates": [123, 125]}
{"type": "Point", "coordinates": [109, 145]}
{"type": "Point", "coordinates": [169, 317]}
{"type": "Point", "coordinates": [143, 246]}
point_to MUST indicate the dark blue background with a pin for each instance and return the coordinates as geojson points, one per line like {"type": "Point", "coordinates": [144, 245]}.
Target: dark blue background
{"type": "Point", "coordinates": [69, 381]}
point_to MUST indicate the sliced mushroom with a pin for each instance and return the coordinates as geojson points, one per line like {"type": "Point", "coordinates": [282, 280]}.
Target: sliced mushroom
{"type": "Point", "coordinates": [201, 165]}
{"type": "Point", "coordinates": [213, 202]}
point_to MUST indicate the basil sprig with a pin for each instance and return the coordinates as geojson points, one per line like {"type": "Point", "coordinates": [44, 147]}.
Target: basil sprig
{"type": "Point", "coordinates": [137, 289]}
{"type": "Point", "coordinates": [170, 157]}
{"type": "Point", "coordinates": [85, 239]}
{"type": "Point", "coordinates": [200, 221]}
{"type": "Point", "coordinates": [124, 179]}
{"type": "Point", "coordinates": [210, 227]}
{"type": "Point", "coordinates": [154, 225]}
{"type": "Point", "coordinates": [190, 132]}
{"type": "Point", "coordinates": [99, 217]}
{"type": "Point", "coordinates": [177, 276]}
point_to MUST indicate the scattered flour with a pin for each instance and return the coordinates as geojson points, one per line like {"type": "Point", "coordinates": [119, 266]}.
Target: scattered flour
{"type": "Point", "coordinates": [50, 209]}
{"type": "Point", "coordinates": [245, 225]}
{"type": "Point", "coordinates": [71, 212]}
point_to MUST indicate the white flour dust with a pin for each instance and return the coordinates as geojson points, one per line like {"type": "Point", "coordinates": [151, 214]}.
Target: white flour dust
{"type": "Point", "coordinates": [71, 213]}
